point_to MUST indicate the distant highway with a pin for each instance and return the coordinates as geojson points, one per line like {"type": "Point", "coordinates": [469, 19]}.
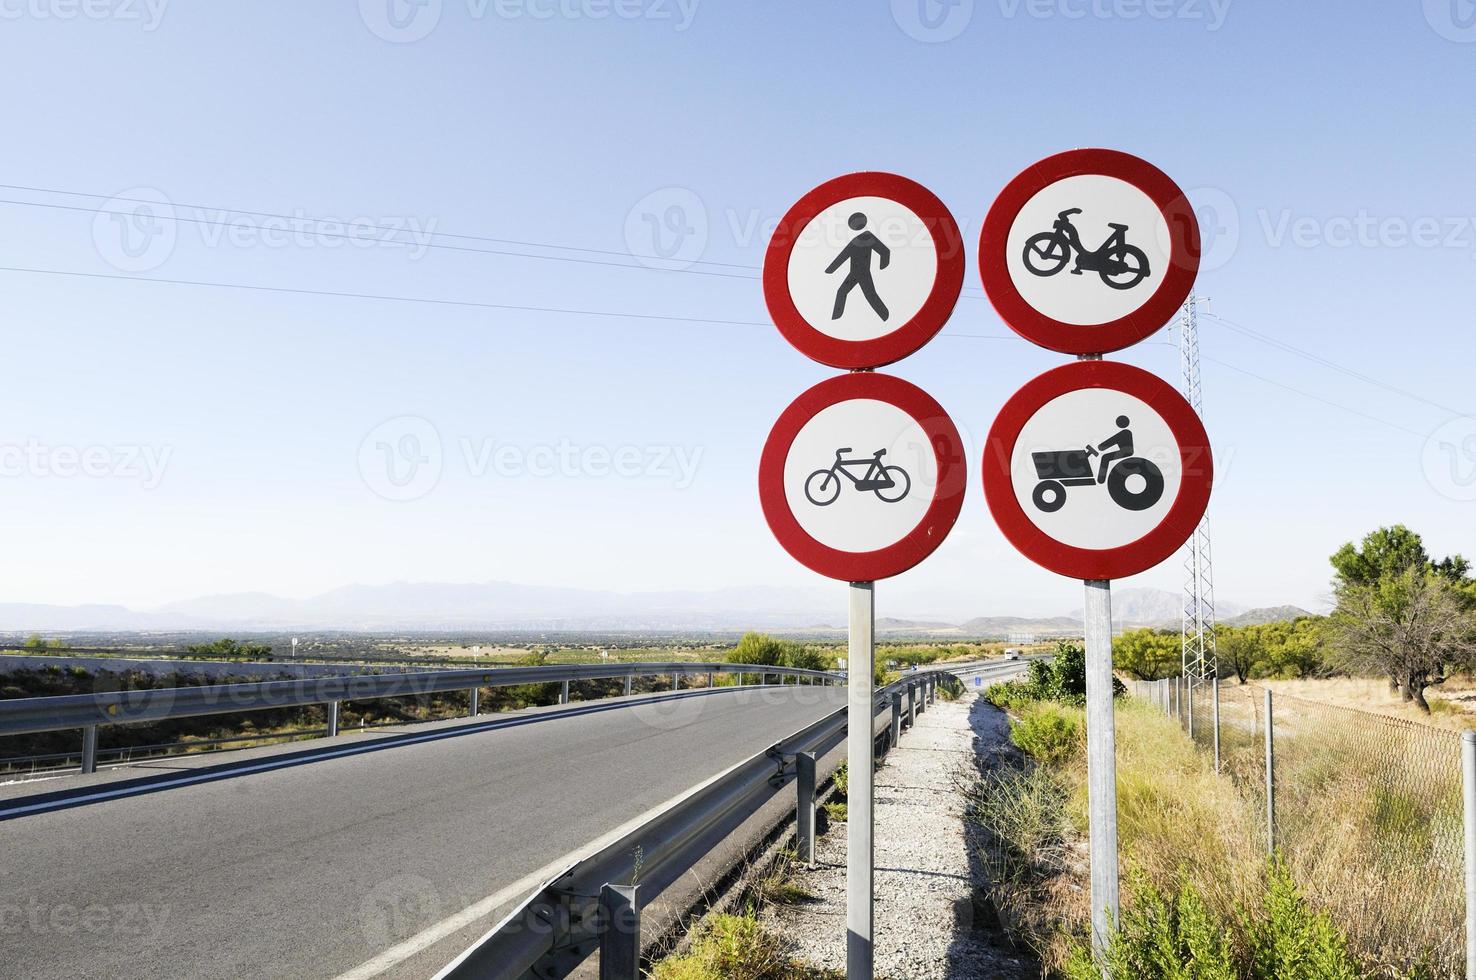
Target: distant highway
{"type": "Point", "coordinates": [316, 869]}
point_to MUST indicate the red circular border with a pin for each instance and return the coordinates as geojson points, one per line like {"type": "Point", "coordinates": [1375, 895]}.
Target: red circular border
{"type": "Point", "coordinates": [907, 338]}
{"type": "Point", "coordinates": [942, 513]}
{"type": "Point", "coordinates": [1073, 338]}
{"type": "Point", "coordinates": [1086, 563]}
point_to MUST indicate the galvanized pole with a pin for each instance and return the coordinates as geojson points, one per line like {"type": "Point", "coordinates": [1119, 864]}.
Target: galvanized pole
{"type": "Point", "coordinates": [629, 679]}
{"type": "Point", "coordinates": [332, 719]}
{"type": "Point", "coordinates": [1270, 778]}
{"type": "Point", "coordinates": [1468, 785]}
{"type": "Point", "coordinates": [620, 939]}
{"type": "Point", "coordinates": [1101, 763]}
{"type": "Point", "coordinates": [1189, 697]}
{"type": "Point", "coordinates": [476, 702]}
{"type": "Point", "coordinates": [89, 749]}
{"type": "Point", "coordinates": [1215, 688]}
{"type": "Point", "coordinates": [564, 693]}
{"type": "Point", "coordinates": [804, 770]}
{"type": "Point", "coordinates": [896, 718]}
{"type": "Point", "coordinates": [859, 754]}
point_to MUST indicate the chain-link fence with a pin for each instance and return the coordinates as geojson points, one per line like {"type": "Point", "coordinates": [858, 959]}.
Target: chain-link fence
{"type": "Point", "coordinates": [1365, 809]}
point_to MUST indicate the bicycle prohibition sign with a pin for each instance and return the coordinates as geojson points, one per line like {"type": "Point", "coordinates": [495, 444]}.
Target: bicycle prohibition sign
{"type": "Point", "coordinates": [889, 483]}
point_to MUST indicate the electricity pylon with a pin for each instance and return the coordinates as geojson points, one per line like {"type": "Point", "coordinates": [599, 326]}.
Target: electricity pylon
{"type": "Point", "coordinates": [1198, 634]}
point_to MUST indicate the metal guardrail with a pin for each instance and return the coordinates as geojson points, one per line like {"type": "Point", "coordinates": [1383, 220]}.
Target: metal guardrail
{"type": "Point", "coordinates": [583, 909]}
{"type": "Point", "coordinates": [22, 716]}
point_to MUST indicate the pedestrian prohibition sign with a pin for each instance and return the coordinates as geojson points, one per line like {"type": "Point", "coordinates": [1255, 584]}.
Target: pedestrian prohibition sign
{"type": "Point", "coordinates": [1097, 470]}
{"type": "Point", "coordinates": [863, 270]}
{"type": "Point", "coordinates": [862, 477]}
{"type": "Point", "coordinates": [1089, 251]}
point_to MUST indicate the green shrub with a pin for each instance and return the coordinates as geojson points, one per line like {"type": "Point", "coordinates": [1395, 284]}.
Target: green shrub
{"type": "Point", "coordinates": [1049, 732]}
{"type": "Point", "coordinates": [842, 778]}
{"type": "Point", "coordinates": [734, 947]}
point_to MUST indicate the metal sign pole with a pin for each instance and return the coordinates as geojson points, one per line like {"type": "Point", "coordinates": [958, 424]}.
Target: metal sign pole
{"type": "Point", "coordinates": [860, 750]}
{"type": "Point", "coordinates": [1101, 763]}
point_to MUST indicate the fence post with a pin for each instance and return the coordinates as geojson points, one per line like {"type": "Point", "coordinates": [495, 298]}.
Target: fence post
{"type": "Point", "coordinates": [89, 748]}
{"type": "Point", "coordinates": [476, 702]}
{"type": "Point", "coordinates": [804, 768]}
{"type": "Point", "coordinates": [896, 718]}
{"type": "Point", "coordinates": [332, 718]}
{"type": "Point", "coordinates": [1215, 691]}
{"type": "Point", "coordinates": [620, 939]}
{"type": "Point", "coordinates": [1468, 785]}
{"type": "Point", "coordinates": [1270, 778]}
{"type": "Point", "coordinates": [1189, 697]}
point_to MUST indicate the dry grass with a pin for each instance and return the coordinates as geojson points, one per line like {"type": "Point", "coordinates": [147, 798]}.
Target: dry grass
{"type": "Point", "coordinates": [1452, 704]}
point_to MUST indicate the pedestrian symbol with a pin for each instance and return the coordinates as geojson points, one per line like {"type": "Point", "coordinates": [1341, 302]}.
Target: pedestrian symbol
{"type": "Point", "coordinates": [858, 253]}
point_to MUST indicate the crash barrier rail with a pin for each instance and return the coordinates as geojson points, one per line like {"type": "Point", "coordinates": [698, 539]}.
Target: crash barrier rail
{"type": "Point", "coordinates": [583, 908]}
{"type": "Point", "coordinates": [23, 716]}
{"type": "Point", "coordinates": [1356, 804]}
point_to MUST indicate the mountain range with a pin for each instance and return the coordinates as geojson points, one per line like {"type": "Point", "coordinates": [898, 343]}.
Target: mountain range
{"type": "Point", "coordinates": [433, 606]}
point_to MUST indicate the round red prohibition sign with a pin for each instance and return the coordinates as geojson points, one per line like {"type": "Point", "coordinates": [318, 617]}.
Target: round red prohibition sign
{"type": "Point", "coordinates": [1089, 251]}
{"type": "Point", "coordinates": [863, 270]}
{"type": "Point", "coordinates": [862, 477]}
{"type": "Point", "coordinates": [1097, 470]}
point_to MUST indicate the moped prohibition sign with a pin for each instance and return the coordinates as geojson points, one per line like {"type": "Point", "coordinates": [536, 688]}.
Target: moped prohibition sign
{"type": "Point", "coordinates": [862, 477]}
{"type": "Point", "coordinates": [1089, 251]}
{"type": "Point", "coordinates": [1097, 470]}
{"type": "Point", "coordinates": [863, 270]}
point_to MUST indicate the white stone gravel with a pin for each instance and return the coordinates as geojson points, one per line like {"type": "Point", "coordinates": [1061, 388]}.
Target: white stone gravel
{"type": "Point", "coordinates": [923, 914]}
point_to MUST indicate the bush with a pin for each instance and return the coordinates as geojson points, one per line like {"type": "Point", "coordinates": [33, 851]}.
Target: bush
{"type": "Point", "coordinates": [1050, 733]}
{"type": "Point", "coordinates": [734, 947]}
{"type": "Point", "coordinates": [1062, 678]}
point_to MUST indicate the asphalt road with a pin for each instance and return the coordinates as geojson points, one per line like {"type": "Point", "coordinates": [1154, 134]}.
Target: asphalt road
{"type": "Point", "coordinates": [396, 858]}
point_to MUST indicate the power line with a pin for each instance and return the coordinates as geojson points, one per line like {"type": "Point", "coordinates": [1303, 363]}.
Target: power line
{"type": "Point", "coordinates": [1333, 365]}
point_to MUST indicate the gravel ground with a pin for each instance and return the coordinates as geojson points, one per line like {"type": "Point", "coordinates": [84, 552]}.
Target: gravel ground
{"type": "Point", "coordinates": [925, 881]}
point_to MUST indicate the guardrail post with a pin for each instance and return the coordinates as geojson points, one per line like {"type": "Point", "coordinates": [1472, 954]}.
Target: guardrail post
{"type": "Point", "coordinates": [564, 693]}
{"type": "Point", "coordinates": [620, 936]}
{"type": "Point", "coordinates": [476, 703]}
{"type": "Point", "coordinates": [629, 678]}
{"type": "Point", "coordinates": [804, 768]}
{"type": "Point", "coordinates": [1270, 778]}
{"type": "Point", "coordinates": [89, 749]}
{"type": "Point", "coordinates": [710, 682]}
{"type": "Point", "coordinates": [911, 705]}
{"type": "Point", "coordinates": [896, 718]}
{"type": "Point", "coordinates": [332, 719]}
{"type": "Point", "coordinates": [1468, 787]}
{"type": "Point", "coordinates": [676, 681]}
{"type": "Point", "coordinates": [1215, 719]}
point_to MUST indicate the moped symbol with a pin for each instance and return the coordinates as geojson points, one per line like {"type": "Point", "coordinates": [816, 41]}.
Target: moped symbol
{"type": "Point", "coordinates": [1121, 266]}
{"type": "Point", "coordinates": [889, 483]}
{"type": "Point", "coordinates": [1073, 468]}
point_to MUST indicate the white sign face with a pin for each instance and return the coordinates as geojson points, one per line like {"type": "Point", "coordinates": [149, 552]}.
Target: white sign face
{"type": "Point", "coordinates": [1088, 249]}
{"type": "Point", "coordinates": [862, 268]}
{"type": "Point", "coordinates": [860, 475]}
{"type": "Point", "coordinates": [1096, 468]}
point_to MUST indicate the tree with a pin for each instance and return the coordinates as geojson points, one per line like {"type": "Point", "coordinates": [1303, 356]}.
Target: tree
{"type": "Point", "coordinates": [1148, 654]}
{"type": "Point", "coordinates": [1402, 614]}
{"type": "Point", "coordinates": [1239, 649]}
{"type": "Point", "coordinates": [36, 643]}
{"type": "Point", "coordinates": [758, 648]}
{"type": "Point", "coordinates": [804, 658]}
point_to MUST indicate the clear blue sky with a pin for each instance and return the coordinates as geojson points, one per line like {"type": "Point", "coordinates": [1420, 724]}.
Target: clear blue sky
{"type": "Point", "coordinates": [507, 124]}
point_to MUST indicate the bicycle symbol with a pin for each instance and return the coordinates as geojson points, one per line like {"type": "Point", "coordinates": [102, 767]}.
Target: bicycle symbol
{"type": "Point", "coordinates": [1073, 468]}
{"type": "Point", "coordinates": [889, 483]}
{"type": "Point", "coordinates": [1121, 266]}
